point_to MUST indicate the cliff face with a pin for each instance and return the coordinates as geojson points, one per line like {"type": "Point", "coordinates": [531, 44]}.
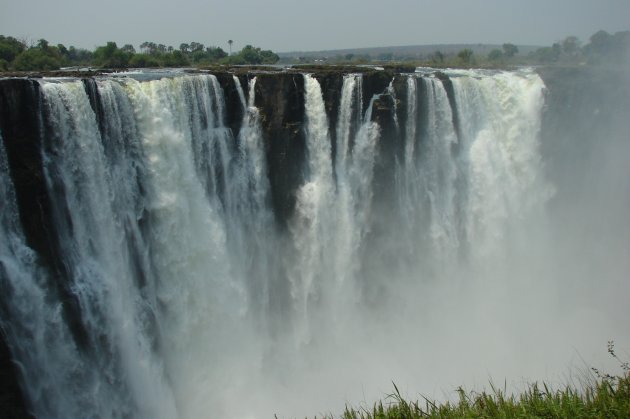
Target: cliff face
{"type": "Point", "coordinates": [20, 124]}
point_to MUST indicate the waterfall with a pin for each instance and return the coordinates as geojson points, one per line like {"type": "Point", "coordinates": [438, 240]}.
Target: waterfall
{"type": "Point", "coordinates": [312, 228]}
{"type": "Point", "coordinates": [175, 291]}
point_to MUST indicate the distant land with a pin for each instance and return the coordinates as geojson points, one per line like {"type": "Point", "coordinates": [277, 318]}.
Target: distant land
{"type": "Point", "coordinates": [404, 52]}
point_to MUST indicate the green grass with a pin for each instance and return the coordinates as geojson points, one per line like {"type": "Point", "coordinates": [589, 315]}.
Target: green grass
{"type": "Point", "coordinates": [606, 396]}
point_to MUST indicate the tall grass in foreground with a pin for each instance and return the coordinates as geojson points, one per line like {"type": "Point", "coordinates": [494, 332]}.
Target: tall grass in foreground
{"type": "Point", "coordinates": [606, 396]}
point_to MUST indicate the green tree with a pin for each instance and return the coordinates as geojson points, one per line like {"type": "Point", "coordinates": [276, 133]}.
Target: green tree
{"type": "Point", "coordinates": [196, 46]}
{"type": "Point", "coordinates": [215, 54]}
{"type": "Point", "coordinates": [175, 59]}
{"type": "Point", "coordinates": [437, 57]}
{"type": "Point", "coordinates": [37, 59]}
{"type": "Point", "coordinates": [548, 55]}
{"type": "Point", "coordinates": [42, 44]}
{"type": "Point", "coordinates": [571, 45]}
{"type": "Point", "coordinates": [385, 56]}
{"type": "Point", "coordinates": [601, 42]}
{"type": "Point", "coordinates": [510, 50]}
{"type": "Point", "coordinates": [495, 55]}
{"type": "Point", "coordinates": [128, 48]}
{"type": "Point", "coordinates": [269, 57]}
{"type": "Point", "coordinates": [143, 60]}
{"type": "Point", "coordinates": [110, 56]}
{"type": "Point", "coordinates": [10, 48]}
{"type": "Point", "coordinates": [251, 55]}
{"type": "Point", "coordinates": [79, 56]}
{"type": "Point", "coordinates": [465, 56]}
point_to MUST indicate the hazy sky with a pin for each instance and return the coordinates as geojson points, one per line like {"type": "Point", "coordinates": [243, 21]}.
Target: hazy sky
{"type": "Point", "coordinates": [283, 25]}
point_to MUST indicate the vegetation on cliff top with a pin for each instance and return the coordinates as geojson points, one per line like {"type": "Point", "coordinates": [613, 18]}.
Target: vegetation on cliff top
{"type": "Point", "coordinates": [21, 55]}
{"type": "Point", "coordinates": [602, 48]}
{"type": "Point", "coordinates": [17, 55]}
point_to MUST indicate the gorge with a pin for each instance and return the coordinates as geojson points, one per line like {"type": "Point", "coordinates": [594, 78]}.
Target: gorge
{"type": "Point", "coordinates": [253, 242]}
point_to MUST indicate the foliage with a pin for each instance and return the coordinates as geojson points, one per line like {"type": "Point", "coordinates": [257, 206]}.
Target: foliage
{"type": "Point", "coordinates": [254, 55]}
{"type": "Point", "coordinates": [174, 59]}
{"type": "Point", "coordinates": [606, 48]}
{"type": "Point", "coordinates": [510, 50]}
{"type": "Point", "coordinates": [437, 57]}
{"type": "Point", "coordinates": [40, 57]}
{"type": "Point", "coordinates": [603, 48]}
{"type": "Point", "coordinates": [10, 48]}
{"type": "Point", "coordinates": [465, 56]}
{"type": "Point", "coordinates": [571, 45]}
{"type": "Point", "coordinates": [143, 61]}
{"type": "Point", "coordinates": [495, 55]}
{"type": "Point", "coordinates": [110, 56]}
{"type": "Point", "coordinates": [547, 55]}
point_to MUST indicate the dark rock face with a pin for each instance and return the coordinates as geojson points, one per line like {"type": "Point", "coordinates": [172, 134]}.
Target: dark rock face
{"type": "Point", "coordinates": [12, 403]}
{"type": "Point", "coordinates": [233, 106]}
{"type": "Point", "coordinates": [280, 98]}
{"type": "Point", "coordinates": [450, 93]}
{"type": "Point", "coordinates": [19, 121]}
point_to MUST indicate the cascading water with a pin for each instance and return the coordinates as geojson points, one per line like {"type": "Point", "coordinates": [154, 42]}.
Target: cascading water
{"type": "Point", "coordinates": [177, 294]}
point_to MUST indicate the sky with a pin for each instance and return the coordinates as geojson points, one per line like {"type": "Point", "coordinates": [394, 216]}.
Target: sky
{"type": "Point", "coordinates": [298, 25]}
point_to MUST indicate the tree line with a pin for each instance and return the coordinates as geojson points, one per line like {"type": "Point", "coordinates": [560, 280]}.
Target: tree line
{"type": "Point", "coordinates": [16, 55]}
{"type": "Point", "coordinates": [602, 48]}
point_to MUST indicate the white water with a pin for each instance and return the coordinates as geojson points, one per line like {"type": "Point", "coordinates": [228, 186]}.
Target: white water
{"type": "Point", "coordinates": [196, 305]}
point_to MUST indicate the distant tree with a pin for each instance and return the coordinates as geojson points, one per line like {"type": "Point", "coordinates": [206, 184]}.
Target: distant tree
{"type": "Point", "coordinates": [145, 47]}
{"type": "Point", "coordinates": [199, 57]}
{"type": "Point", "coordinates": [79, 56]}
{"type": "Point", "coordinates": [143, 60]}
{"type": "Point", "coordinates": [510, 50]}
{"type": "Point", "coordinates": [128, 48]}
{"type": "Point", "coordinates": [385, 56]}
{"type": "Point", "coordinates": [601, 42]}
{"type": "Point", "coordinates": [251, 55]}
{"type": "Point", "coordinates": [571, 45]}
{"type": "Point", "coordinates": [149, 48]}
{"type": "Point", "coordinates": [175, 59]}
{"type": "Point", "coordinates": [437, 57]}
{"type": "Point", "coordinates": [495, 55]}
{"type": "Point", "coordinates": [269, 57]}
{"type": "Point", "coordinates": [349, 57]}
{"type": "Point", "coordinates": [548, 55]}
{"type": "Point", "coordinates": [607, 48]}
{"type": "Point", "coordinates": [196, 46]}
{"type": "Point", "coordinates": [215, 53]}
{"type": "Point", "coordinates": [10, 48]}
{"type": "Point", "coordinates": [62, 49]}
{"type": "Point", "coordinates": [230, 42]}
{"type": "Point", "coordinates": [39, 57]}
{"type": "Point", "coordinates": [185, 48]}
{"type": "Point", "coordinates": [42, 44]}
{"type": "Point", "coordinates": [465, 56]}
{"type": "Point", "coordinates": [110, 56]}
